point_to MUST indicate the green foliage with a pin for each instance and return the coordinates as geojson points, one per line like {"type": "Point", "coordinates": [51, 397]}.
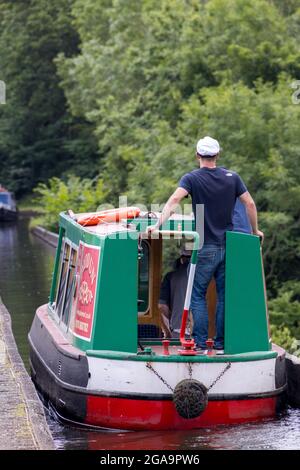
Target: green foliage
{"type": "Point", "coordinates": [159, 74]}
{"type": "Point", "coordinates": [248, 40]}
{"type": "Point", "coordinates": [79, 195]}
{"type": "Point", "coordinates": [284, 314]}
{"type": "Point", "coordinates": [125, 88]}
{"type": "Point", "coordinates": [284, 310]}
{"type": "Point", "coordinates": [35, 129]}
{"type": "Point", "coordinates": [282, 337]}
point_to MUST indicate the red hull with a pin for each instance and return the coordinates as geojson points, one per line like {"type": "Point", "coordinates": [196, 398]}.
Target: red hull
{"type": "Point", "coordinates": [152, 415]}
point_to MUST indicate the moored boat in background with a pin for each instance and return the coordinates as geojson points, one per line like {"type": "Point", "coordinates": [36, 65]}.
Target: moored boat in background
{"type": "Point", "coordinates": [8, 208]}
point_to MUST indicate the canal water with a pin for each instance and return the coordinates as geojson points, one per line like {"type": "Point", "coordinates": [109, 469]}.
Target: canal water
{"type": "Point", "coordinates": [26, 265]}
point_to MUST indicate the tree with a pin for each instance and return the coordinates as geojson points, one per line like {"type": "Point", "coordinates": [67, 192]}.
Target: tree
{"type": "Point", "coordinates": [36, 132]}
{"type": "Point", "coordinates": [124, 89]}
{"type": "Point", "coordinates": [77, 194]}
{"type": "Point", "coordinates": [153, 76]}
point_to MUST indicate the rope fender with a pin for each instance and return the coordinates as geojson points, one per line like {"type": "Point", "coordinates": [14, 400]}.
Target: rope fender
{"type": "Point", "coordinates": [190, 398]}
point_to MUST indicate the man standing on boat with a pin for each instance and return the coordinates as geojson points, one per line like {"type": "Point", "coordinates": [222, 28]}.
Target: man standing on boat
{"type": "Point", "coordinates": [217, 189]}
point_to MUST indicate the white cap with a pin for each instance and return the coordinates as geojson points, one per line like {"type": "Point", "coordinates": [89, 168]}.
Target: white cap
{"type": "Point", "coordinates": [208, 147]}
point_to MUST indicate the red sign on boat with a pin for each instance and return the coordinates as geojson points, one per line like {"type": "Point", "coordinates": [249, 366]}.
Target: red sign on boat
{"type": "Point", "coordinates": [86, 277]}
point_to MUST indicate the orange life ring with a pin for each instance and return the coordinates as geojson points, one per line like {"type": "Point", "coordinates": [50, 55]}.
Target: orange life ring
{"type": "Point", "coordinates": [110, 215]}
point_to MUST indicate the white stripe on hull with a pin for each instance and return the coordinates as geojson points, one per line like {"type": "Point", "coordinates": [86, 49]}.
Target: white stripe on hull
{"type": "Point", "coordinates": [134, 377]}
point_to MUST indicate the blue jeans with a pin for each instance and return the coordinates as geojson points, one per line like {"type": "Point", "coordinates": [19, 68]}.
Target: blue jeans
{"type": "Point", "coordinates": [210, 263]}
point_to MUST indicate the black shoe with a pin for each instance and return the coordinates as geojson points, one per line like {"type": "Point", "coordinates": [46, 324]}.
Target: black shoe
{"type": "Point", "coordinates": [219, 352]}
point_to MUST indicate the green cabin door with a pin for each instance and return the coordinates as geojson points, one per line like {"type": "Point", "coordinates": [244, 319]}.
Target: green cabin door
{"type": "Point", "coordinates": [246, 319]}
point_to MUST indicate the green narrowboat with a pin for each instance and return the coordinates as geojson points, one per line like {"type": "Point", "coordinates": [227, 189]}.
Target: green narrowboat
{"type": "Point", "coordinates": [96, 349]}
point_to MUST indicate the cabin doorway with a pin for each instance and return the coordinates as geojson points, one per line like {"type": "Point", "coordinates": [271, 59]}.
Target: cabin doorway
{"type": "Point", "coordinates": [157, 259]}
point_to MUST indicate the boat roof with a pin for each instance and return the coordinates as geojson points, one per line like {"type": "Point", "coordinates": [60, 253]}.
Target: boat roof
{"type": "Point", "coordinates": [177, 222]}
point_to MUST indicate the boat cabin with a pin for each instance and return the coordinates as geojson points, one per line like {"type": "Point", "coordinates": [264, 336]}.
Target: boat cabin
{"type": "Point", "coordinates": [107, 277]}
{"type": "Point", "coordinates": [7, 198]}
{"type": "Point", "coordinates": [8, 209]}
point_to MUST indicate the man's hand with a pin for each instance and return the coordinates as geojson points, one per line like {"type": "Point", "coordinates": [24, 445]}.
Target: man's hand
{"type": "Point", "coordinates": [152, 228]}
{"type": "Point", "coordinates": [165, 320]}
{"type": "Point", "coordinates": [260, 234]}
{"type": "Point", "coordinates": [169, 209]}
{"type": "Point", "coordinates": [166, 332]}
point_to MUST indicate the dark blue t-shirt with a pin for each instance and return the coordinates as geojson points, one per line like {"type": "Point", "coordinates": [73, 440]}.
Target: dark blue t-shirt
{"type": "Point", "coordinates": [240, 218]}
{"type": "Point", "coordinates": [216, 188]}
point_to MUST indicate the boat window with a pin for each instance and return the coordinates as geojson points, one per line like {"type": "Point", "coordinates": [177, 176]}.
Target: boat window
{"type": "Point", "coordinates": [4, 198]}
{"type": "Point", "coordinates": [143, 278]}
{"type": "Point", "coordinates": [63, 280]}
{"type": "Point", "coordinates": [57, 269]}
{"type": "Point", "coordinates": [170, 255]}
{"type": "Point", "coordinates": [70, 287]}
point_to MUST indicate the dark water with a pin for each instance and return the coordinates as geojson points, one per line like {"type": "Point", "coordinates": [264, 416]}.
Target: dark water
{"type": "Point", "coordinates": [26, 265]}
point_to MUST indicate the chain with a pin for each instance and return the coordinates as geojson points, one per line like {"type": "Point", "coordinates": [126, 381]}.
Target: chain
{"type": "Point", "coordinates": [228, 365]}
{"type": "Point", "coordinates": [190, 370]}
{"type": "Point", "coordinates": [159, 376]}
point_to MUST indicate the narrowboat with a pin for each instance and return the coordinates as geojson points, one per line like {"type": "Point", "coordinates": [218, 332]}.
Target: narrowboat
{"type": "Point", "coordinates": [97, 354]}
{"type": "Point", "coordinates": [8, 209]}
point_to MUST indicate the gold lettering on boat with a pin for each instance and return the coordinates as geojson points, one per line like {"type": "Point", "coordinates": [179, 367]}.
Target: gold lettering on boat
{"type": "Point", "coordinates": [85, 294]}
{"type": "Point", "coordinates": [88, 265]}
